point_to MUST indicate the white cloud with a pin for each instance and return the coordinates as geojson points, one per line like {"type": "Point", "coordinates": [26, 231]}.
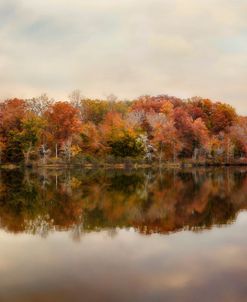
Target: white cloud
{"type": "Point", "coordinates": [128, 47]}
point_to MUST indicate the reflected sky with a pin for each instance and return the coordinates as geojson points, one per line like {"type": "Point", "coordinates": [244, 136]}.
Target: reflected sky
{"type": "Point", "coordinates": [207, 266]}
{"type": "Point", "coordinates": [200, 260]}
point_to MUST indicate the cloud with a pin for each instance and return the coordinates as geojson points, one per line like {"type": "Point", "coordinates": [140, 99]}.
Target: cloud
{"type": "Point", "coordinates": [128, 47]}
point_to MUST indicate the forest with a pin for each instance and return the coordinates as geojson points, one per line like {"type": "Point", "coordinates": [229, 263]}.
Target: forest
{"type": "Point", "coordinates": [148, 130]}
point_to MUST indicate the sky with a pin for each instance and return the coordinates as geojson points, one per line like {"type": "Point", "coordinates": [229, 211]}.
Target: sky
{"type": "Point", "coordinates": [124, 47]}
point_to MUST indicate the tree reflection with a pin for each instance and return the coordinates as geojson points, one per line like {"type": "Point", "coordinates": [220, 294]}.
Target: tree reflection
{"type": "Point", "coordinates": [39, 202]}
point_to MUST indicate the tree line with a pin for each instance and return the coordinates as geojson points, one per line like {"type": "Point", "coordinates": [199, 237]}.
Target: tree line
{"type": "Point", "coordinates": [150, 128]}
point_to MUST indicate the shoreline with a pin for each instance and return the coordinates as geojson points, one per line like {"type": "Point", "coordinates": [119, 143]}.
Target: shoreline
{"type": "Point", "coordinates": [123, 166]}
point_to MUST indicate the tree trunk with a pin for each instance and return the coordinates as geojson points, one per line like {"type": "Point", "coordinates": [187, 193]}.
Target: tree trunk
{"type": "Point", "coordinates": [228, 151]}
{"type": "Point", "coordinates": [27, 155]}
{"type": "Point", "coordinates": [69, 152]}
{"type": "Point", "coordinates": [161, 153]}
{"type": "Point", "coordinates": [56, 150]}
{"type": "Point", "coordinates": [174, 153]}
{"type": "Point", "coordinates": [56, 180]}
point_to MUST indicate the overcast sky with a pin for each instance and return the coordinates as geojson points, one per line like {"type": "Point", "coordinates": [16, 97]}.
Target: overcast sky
{"type": "Point", "coordinates": [126, 47]}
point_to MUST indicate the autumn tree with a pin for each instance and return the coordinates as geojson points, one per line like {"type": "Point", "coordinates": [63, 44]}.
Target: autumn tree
{"type": "Point", "coordinates": [154, 104]}
{"type": "Point", "coordinates": [12, 112]}
{"type": "Point", "coordinates": [121, 137]}
{"type": "Point", "coordinates": [92, 139]}
{"type": "Point", "coordinates": [94, 110]}
{"type": "Point", "coordinates": [198, 107]}
{"type": "Point", "coordinates": [223, 117]}
{"type": "Point", "coordinates": [32, 128]}
{"type": "Point", "coordinates": [192, 134]}
{"type": "Point", "coordinates": [238, 135]}
{"type": "Point", "coordinates": [13, 152]}
{"type": "Point", "coordinates": [164, 136]}
{"type": "Point", "coordinates": [63, 123]}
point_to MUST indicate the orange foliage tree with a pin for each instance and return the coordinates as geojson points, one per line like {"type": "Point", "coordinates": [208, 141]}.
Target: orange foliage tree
{"type": "Point", "coordinates": [63, 123]}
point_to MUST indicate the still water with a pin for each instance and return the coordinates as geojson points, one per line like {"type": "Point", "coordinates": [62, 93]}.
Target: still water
{"type": "Point", "coordinates": [71, 235]}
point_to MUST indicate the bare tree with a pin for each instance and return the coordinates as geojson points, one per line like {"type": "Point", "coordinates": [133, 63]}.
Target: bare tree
{"type": "Point", "coordinates": [39, 105]}
{"type": "Point", "coordinates": [111, 98]}
{"type": "Point", "coordinates": [76, 98]}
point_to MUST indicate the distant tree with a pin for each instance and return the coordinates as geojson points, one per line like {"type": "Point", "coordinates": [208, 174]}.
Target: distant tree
{"type": "Point", "coordinates": [154, 104]}
{"type": "Point", "coordinates": [32, 128]}
{"type": "Point", "coordinates": [40, 104]}
{"type": "Point", "coordinates": [121, 137]}
{"type": "Point", "coordinates": [92, 139]}
{"type": "Point", "coordinates": [238, 135]}
{"type": "Point", "coordinates": [76, 98]}
{"type": "Point", "coordinates": [63, 122]}
{"type": "Point", "coordinates": [12, 113]}
{"type": "Point", "coordinates": [164, 137]}
{"type": "Point", "coordinates": [192, 134]}
{"type": "Point", "coordinates": [126, 145]}
{"type": "Point", "coordinates": [14, 151]}
{"type": "Point", "coordinates": [223, 117]}
{"type": "Point", "coordinates": [94, 110]}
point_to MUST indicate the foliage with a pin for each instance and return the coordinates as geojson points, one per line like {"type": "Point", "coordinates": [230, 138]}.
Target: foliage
{"type": "Point", "coordinates": [126, 146]}
{"type": "Point", "coordinates": [32, 127]}
{"type": "Point", "coordinates": [162, 128]}
{"type": "Point", "coordinates": [13, 151]}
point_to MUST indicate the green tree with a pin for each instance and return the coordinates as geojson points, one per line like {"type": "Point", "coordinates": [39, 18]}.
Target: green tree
{"type": "Point", "coordinates": [14, 152]}
{"type": "Point", "coordinates": [32, 126]}
{"type": "Point", "coordinates": [126, 146]}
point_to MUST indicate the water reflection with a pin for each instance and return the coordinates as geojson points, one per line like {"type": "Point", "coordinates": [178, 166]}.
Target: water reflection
{"type": "Point", "coordinates": [119, 223]}
{"type": "Point", "coordinates": [40, 202]}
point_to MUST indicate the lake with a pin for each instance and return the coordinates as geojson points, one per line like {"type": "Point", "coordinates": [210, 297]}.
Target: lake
{"type": "Point", "coordinates": [72, 235]}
